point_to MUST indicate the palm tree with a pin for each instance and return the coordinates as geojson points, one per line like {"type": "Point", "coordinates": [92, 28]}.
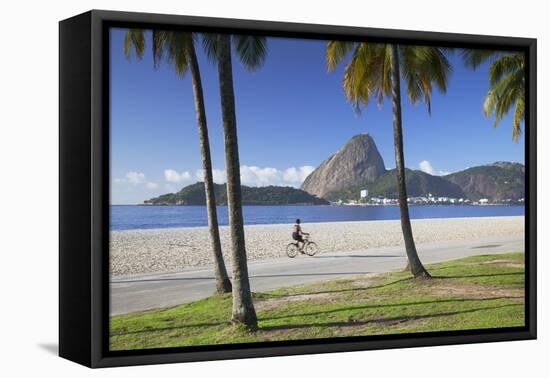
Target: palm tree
{"type": "Point", "coordinates": [506, 84]}
{"type": "Point", "coordinates": [375, 70]}
{"type": "Point", "coordinates": [179, 50]}
{"type": "Point", "coordinates": [252, 51]}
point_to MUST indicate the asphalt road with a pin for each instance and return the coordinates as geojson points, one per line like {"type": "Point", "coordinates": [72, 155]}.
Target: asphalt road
{"type": "Point", "coordinates": [151, 291]}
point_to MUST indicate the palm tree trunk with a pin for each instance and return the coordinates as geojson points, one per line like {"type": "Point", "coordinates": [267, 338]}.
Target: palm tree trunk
{"type": "Point", "coordinates": [417, 269]}
{"type": "Point", "coordinates": [243, 308]}
{"type": "Point", "coordinates": [223, 284]}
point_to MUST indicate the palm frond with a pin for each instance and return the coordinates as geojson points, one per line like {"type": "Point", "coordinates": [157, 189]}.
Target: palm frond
{"type": "Point", "coordinates": [503, 95]}
{"type": "Point", "coordinates": [336, 51]}
{"type": "Point", "coordinates": [251, 50]}
{"type": "Point", "coordinates": [210, 46]}
{"type": "Point", "coordinates": [506, 85]}
{"type": "Point", "coordinates": [160, 39]}
{"type": "Point", "coordinates": [134, 38]}
{"type": "Point", "coordinates": [506, 64]}
{"type": "Point", "coordinates": [472, 58]}
{"type": "Point", "coordinates": [365, 74]}
{"type": "Point", "coordinates": [178, 47]}
{"type": "Point", "coordinates": [519, 117]}
{"type": "Point", "coordinates": [421, 68]}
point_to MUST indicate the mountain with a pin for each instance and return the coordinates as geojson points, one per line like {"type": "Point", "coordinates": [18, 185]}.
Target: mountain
{"type": "Point", "coordinates": [418, 184]}
{"type": "Point", "coordinates": [358, 165]}
{"type": "Point", "coordinates": [498, 181]}
{"type": "Point", "coordinates": [358, 161]}
{"type": "Point", "coordinates": [267, 195]}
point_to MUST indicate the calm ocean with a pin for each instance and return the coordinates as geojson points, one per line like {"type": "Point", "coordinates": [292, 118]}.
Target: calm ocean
{"type": "Point", "coordinates": [132, 217]}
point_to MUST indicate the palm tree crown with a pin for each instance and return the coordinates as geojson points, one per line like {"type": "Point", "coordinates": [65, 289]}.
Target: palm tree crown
{"type": "Point", "coordinates": [506, 85]}
{"type": "Point", "coordinates": [172, 45]}
{"type": "Point", "coordinates": [251, 50]}
{"type": "Point", "coordinates": [367, 73]}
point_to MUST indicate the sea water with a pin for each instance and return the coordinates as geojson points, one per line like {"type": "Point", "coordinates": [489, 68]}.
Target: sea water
{"type": "Point", "coordinates": [132, 217]}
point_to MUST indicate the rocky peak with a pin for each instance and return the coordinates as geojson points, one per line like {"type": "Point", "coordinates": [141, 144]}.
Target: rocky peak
{"type": "Point", "coordinates": [357, 162]}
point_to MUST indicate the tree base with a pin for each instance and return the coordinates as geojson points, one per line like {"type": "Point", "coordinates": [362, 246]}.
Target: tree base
{"type": "Point", "coordinates": [224, 286]}
{"type": "Point", "coordinates": [250, 326]}
{"type": "Point", "coordinates": [422, 273]}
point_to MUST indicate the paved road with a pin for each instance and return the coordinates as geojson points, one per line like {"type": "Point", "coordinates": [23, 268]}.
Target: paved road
{"type": "Point", "coordinates": [150, 291]}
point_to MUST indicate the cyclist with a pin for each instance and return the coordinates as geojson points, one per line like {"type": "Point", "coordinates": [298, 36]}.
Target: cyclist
{"type": "Point", "coordinates": [298, 234]}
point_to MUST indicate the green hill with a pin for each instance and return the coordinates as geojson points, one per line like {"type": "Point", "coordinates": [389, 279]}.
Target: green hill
{"type": "Point", "coordinates": [498, 181]}
{"type": "Point", "coordinates": [418, 184]}
{"type": "Point", "coordinates": [267, 195]}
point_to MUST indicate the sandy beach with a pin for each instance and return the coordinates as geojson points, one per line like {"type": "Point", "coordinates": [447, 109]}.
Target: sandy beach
{"type": "Point", "coordinates": [170, 250]}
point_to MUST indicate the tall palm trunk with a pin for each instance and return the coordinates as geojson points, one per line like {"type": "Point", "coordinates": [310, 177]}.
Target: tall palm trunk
{"type": "Point", "coordinates": [414, 263]}
{"type": "Point", "coordinates": [223, 284]}
{"type": "Point", "coordinates": [243, 308]}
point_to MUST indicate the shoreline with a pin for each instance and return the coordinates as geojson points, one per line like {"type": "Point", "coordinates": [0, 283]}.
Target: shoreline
{"type": "Point", "coordinates": [314, 223]}
{"type": "Point", "coordinates": [173, 249]}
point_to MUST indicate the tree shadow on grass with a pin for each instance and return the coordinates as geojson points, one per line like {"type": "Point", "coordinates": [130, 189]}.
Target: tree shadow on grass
{"type": "Point", "coordinates": [160, 329]}
{"type": "Point", "coordinates": [479, 275]}
{"type": "Point", "coordinates": [435, 277]}
{"type": "Point", "coordinates": [391, 320]}
{"type": "Point", "coordinates": [388, 305]}
{"type": "Point", "coordinates": [338, 291]}
{"type": "Point", "coordinates": [348, 308]}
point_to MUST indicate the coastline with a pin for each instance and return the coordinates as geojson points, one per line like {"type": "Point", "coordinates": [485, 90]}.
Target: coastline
{"type": "Point", "coordinates": [173, 249]}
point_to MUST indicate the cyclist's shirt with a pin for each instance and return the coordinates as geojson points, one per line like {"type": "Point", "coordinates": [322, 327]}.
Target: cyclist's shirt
{"type": "Point", "coordinates": [297, 232]}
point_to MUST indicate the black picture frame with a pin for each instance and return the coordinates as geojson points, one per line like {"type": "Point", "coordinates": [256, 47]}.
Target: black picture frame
{"type": "Point", "coordinates": [84, 189]}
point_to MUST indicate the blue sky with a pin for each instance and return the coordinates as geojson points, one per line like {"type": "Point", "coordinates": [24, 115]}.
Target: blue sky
{"type": "Point", "coordinates": [291, 115]}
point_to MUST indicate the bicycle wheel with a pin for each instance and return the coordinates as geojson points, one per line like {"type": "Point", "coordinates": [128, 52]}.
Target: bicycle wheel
{"type": "Point", "coordinates": [311, 248]}
{"type": "Point", "coordinates": [292, 250]}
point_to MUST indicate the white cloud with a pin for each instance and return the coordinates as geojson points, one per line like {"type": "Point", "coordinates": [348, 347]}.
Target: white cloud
{"type": "Point", "coordinates": [265, 176]}
{"type": "Point", "coordinates": [218, 175]}
{"type": "Point", "coordinates": [135, 177]}
{"type": "Point", "coordinates": [426, 166]}
{"type": "Point", "coordinates": [173, 176]}
{"type": "Point", "coordinates": [251, 175]}
{"type": "Point", "coordinates": [132, 188]}
{"type": "Point", "coordinates": [256, 176]}
{"type": "Point", "coordinates": [297, 175]}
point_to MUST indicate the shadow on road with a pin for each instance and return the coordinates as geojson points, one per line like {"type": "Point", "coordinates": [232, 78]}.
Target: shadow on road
{"type": "Point", "coordinates": [360, 256]}
{"type": "Point", "coordinates": [251, 276]}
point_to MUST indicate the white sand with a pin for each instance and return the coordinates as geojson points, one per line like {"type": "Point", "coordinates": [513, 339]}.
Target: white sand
{"type": "Point", "coordinates": [169, 250]}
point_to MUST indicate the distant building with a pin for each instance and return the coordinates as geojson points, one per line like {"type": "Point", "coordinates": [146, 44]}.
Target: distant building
{"type": "Point", "coordinates": [364, 193]}
{"type": "Point", "coordinates": [483, 201]}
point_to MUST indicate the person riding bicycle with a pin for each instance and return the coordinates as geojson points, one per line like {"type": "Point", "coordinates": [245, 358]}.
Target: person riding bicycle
{"type": "Point", "coordinates": [298, 234]}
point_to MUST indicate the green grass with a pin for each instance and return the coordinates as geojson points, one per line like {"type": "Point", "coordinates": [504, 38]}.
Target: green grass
{"type": "Point", "coordinates": [472, 293]}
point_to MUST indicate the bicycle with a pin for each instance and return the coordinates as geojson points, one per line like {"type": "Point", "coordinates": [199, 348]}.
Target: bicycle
{"type": "Point", "coordinates": [309, 248]}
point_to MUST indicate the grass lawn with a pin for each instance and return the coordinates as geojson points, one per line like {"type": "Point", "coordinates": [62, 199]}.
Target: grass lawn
{"type": "Point", "coordinates": [471, 293]}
